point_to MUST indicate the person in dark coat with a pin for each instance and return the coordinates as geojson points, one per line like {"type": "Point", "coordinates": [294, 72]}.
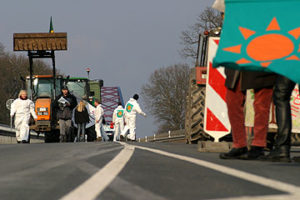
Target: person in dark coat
{"type": "Point", "coordinates": [64, 105]}
{"type": "Point", "coordinates": [237, 82]}
{"type": "Point", "coordinates": [81, 119]}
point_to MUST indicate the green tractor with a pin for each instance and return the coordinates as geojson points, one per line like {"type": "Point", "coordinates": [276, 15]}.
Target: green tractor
{"type": "Point", "coordinates": [81, 87]}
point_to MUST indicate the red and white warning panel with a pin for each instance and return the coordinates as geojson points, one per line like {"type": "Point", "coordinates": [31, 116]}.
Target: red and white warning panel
{"type": "Point", "coordinates": [216, 122]}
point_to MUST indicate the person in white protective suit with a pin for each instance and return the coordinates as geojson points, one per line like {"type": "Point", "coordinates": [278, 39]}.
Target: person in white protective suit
{"type": "Point", "coordinates": [118, 120]}
{"type": "Point", "coordinates": [21, 108]}
{"type": "Point", "coordinates": [99, 115]}
{"type": "Point", "coordinates": [131, 109]}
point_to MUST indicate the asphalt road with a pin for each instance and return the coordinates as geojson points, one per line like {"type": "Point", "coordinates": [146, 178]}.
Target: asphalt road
{"type": "Point", "coordinates": [146, 171]}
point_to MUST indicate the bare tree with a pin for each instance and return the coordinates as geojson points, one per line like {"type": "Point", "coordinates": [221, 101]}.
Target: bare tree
{"type": "Point", "coordinates": [207, 20]}
{"type": "Point", "coordinates": [165, 96]}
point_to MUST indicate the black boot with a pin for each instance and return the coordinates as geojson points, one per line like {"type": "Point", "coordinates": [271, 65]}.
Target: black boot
{"type": "Point", "coordinates": [234, 153]}
{"type": "Point", "coordinates": [255, 153]}
{"type": "Point", "coordinates": [279, 154]}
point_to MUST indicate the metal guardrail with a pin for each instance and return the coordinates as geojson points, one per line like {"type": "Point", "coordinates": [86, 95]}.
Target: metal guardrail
{"type": "Point", "coordinates": [171, 136]}
{"type": "Point", "coordinates": [5, 130]}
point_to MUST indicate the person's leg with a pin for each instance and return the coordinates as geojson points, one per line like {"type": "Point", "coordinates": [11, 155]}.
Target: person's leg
{"type": "Point", "coordinates": [282, 94]}
{"type": "Point", "coordinates": [83, 131]}
{"type": "Point", "coordinates": [103, 133]}
{"type": "Point", "coordinates": [262, 106]}
{"type": "Point", "coordinates": [68, 124]}
{"type": "Point", "coordinates": [77, 139]}
{"type": "Point", "coordinates": [132, 127]}
{"type": "Point", "coordinates": [62, 130]}
{"type": "Point", "coordinates": [18, 123]}
{"type": "Point", "coordinates": [97, 129]}
{"type": "Point", "coordinates": [117, 129]}
{"type": "Point", "coordinates": [235, 105]}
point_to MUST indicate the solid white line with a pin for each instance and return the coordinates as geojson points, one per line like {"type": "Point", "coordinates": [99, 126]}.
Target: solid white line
{"type": "Point", "coordinates": [267, 197]}
{"type": "Point", "coordinates": [92, 187]}
{"type": "Point", "coordinates": [277, 185]}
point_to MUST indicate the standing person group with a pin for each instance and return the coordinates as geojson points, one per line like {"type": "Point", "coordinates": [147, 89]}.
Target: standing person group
{"type": "Point", "coordinates": [263, 84]}
{"type": "Point", "coordinates": [22, 108]}
{"type": "Point", "coordinates": [64, 104]}
{"type": "Point", "coordinates": [81, 116]}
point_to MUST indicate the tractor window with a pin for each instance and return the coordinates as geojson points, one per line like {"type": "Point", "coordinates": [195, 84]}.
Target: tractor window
{"type": "Point", "coordinates": [78, 88]}
{"type": "Point", "coordinates": [43, 87]}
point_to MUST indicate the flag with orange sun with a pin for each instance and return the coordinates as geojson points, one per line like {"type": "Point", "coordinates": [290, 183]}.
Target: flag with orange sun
{"type": "Point", "coordinates": [261, 36]}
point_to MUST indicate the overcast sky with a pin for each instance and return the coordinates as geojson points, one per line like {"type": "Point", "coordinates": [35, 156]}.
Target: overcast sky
{"type": "Point", "coordinates": [122, 41]}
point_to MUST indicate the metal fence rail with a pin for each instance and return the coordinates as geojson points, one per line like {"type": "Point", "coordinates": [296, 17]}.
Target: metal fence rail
{"type": "Point", "coordinates": [171, 136]}
{"type": "Point", "coordinates": [8, 135]}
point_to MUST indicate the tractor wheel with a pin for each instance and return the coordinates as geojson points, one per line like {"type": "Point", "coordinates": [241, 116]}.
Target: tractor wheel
{"type": "Point", "coordinates": [52, 136]}
{"type": "Point", "coordinates": [295, 138]}
{"type": "Point", "coordinates": [194, 119]}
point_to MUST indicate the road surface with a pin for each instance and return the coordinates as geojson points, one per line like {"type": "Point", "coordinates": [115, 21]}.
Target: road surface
{"type": "Point", "coordinates": [146, 171]}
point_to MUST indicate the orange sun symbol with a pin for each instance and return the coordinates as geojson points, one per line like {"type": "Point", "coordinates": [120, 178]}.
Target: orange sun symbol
{"type": "Point", "coordinates": [269, 47]}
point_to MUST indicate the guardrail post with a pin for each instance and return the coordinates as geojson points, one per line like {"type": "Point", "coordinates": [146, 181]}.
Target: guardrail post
{"type": "Point", "coordinates": [169, 134]}
{"type": "Point", "coordinates": [154, 137]}
{"type": "Point", "coordinates": [146, 139]}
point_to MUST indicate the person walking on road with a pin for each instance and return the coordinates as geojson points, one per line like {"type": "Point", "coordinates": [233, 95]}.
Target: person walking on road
{"type": "Point", "coordinates": [131, 109]}
{"type": "Point", "coordinates": [64, 104]}
{"type": "Point", "coordinates": [99, 117]}
{"type": "Point", "coordinates": [21, 108]}
{"type": "Point", "coordinates": [118, 120]}
{"type": "Point", "coordinates": [81, 119]}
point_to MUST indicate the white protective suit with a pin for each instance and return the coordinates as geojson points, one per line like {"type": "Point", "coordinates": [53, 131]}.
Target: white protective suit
{"type": "Point", "coordinates": [99, 113]}
{"type": "Point", "coordinates": [118, 120]}
{"type": "Point", "coordinates": [131, 109]}
{"type": "Point", "coordinates": [22, 110]}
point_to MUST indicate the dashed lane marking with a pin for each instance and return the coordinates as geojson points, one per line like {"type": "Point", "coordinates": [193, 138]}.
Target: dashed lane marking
{"type": "Point", "coordinates": [294, 191]}
{"type": "Point", "coordinates": [92, 187]}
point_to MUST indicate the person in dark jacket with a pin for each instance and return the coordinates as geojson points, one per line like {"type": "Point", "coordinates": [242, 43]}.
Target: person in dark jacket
{"type": "Point", "coordinates": [64, 105]}
{"type": "Point", "coordinates": [237, 82]}
{"type": "Point", "coordinates": [81, 119]}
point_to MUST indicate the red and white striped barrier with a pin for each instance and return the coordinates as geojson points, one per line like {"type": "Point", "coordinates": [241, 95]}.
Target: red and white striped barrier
{"type": "Point", "coordinates": [216, 122]}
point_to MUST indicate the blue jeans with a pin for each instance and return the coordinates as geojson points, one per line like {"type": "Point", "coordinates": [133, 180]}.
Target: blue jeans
{"type": "Point", "coordinates": [80, 129]}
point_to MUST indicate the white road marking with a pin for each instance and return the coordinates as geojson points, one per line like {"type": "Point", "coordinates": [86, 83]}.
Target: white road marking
{"type": "Point", "coordinates": [92, 187]}
{"type": "Point", "coordinates": [294, 191]}
{"type": "Point", "coordinates": [267, 197]}
{"type": "Point", "coordinates": [48, 165]}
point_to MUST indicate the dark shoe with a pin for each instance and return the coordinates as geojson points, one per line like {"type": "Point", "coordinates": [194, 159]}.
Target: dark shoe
{"type": "Point", "coordinates": [234, 153]}
{"type": "Point", "coordinates": [255, 153]}
{"type": "Point", "coordinates": [24, 141]}
{"type": "Point", "coordinates": [279, 154]}
{"type": "Point", "coordinates": [122, 138]}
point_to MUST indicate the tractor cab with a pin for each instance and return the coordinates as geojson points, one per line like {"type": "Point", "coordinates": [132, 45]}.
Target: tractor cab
{"type": "Point", "coordinates": [79, 87]}
{"type": "Point", "coordinates": [43, 86]}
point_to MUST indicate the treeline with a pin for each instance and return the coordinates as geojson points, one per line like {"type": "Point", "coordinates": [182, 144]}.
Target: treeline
{"type": "Point", "coordinates": [13, 68]}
